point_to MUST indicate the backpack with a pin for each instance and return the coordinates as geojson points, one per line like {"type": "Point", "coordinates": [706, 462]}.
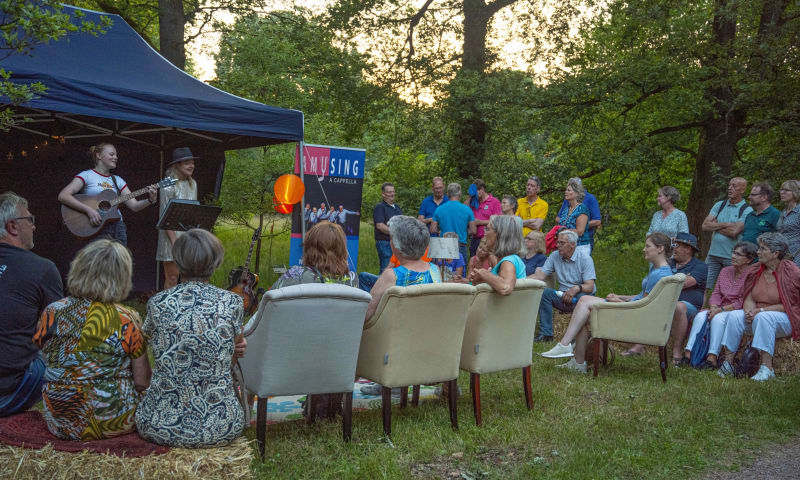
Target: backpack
{"type": "Point", "coordinates": [748, 363]}
{"type": "Point", "coordinates": [725, 202]}
{"type": "Point", "coordinates": [701, 343]}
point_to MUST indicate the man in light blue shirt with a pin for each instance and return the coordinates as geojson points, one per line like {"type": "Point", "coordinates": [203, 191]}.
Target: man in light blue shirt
{"type": "Point", "coordinates": [341, 217]}
{"type": "Point", "coordinates": [454, 216]}
{"type": "Point", "coordinates": [726, 220]}
{"type": "Point", "coordinates": [576, 277]}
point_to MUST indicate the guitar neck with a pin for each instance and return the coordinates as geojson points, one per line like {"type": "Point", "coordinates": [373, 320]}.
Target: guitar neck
{"type": "Point", "coordinates": [250, 252]}
{"type": "Point", "coordinates": [125, 198]}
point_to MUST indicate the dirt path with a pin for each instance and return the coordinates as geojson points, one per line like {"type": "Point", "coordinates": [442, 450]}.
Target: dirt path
{"type": "Point", "coordinates": [779, 462]}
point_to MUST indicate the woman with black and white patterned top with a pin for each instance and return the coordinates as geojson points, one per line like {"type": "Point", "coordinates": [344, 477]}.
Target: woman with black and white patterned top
{"type": "Point", "coordinates": [789, 221]}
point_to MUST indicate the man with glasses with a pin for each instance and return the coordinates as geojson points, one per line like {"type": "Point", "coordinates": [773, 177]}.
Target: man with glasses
{"type": "Point", "coordinates": [531, 208]}
{"type": "Point", "coordinates": [574, 269]}
{"type": "Point", "coordinates": [726, 221]}
{"type": "Point", "coordinates": [28, 283]}
{"type": "Point", "coordinates": [764, 217]}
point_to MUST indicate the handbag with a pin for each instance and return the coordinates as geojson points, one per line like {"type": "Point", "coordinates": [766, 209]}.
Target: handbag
{"type": "Point", "coordinates": [551, 238]}
{"type": "Point", "coordinates": [701, 344]}
{"type": "Point", "coordinates": [748, 363]}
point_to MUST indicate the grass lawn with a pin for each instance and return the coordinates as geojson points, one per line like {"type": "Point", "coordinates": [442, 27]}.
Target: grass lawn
{"type": "Point", "coordinates": [624, 424]}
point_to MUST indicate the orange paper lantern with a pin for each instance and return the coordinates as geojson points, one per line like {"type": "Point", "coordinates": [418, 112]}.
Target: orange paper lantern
{"type": "Point", "coordinates": [285, 208]}
{"type": "Point", "coordinates": [289, 189]}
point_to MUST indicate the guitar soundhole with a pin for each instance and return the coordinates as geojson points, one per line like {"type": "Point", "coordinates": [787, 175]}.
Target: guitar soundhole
{"type": "Point", "coordinates": [104, 207]}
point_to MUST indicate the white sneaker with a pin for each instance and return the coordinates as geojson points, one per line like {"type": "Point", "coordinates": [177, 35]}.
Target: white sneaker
{"type": "Point", "coordinates": [764, 373]}
{"type": "Point", "coordinates": [559, 351]}
{"type": "Point", "coordinates": [574, 366]}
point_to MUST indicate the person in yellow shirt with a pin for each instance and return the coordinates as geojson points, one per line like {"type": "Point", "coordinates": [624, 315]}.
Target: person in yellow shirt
{"type": "Point", "coordinates": [532, 209]}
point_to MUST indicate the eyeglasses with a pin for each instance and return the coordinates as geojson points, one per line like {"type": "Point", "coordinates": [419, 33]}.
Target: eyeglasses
{"type": "Point", "coordinates": [785, 190]}
{"type": "Point", "coordinates": [31, 219]}
{"type": "Point", "coordinates": [752, 194]}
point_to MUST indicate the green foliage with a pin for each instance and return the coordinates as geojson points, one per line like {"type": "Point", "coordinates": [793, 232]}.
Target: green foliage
{"type": "Point", "coordinates": [23, 25]}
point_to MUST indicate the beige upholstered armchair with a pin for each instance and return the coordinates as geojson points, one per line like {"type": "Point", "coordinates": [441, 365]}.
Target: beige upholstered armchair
{"type": "Point", "coordinates": [499, 336]}
{"type": "Point", "coordinates": [647, 321]}
{"type": "Point", "coordinates": [415, 338]}
{"type": "Point", "coordinates": [304, 339]}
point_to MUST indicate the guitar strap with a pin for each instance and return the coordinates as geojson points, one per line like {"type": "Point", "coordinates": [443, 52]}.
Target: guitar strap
{"type": "Point", "coordinates": [114, 178]}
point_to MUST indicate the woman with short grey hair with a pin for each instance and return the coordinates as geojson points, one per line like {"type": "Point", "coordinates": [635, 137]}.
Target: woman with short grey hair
{"type": "Point", "coordinates": [789, 221]}
{"type": "Point", "coordinates": [504, 238]}
{"type": "Point", "coordinates": [409, 238]}
{"type": "Point", "coordinates": [771, 307]}
{"type": "Point", "coordinates": [669, 220]}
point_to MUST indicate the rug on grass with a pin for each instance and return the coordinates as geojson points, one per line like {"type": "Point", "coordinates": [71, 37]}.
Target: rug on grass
{"type": "Point", "coordinates": [284, 409]}
{"type": "Point", "coordinates": [29, 430]}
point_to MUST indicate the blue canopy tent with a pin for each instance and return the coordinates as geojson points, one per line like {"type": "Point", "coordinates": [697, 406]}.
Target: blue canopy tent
{"type": "Point", "coordinates": [114, 87]}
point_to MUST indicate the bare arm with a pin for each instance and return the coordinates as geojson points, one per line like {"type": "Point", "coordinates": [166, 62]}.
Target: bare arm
{"type": "Point", "coordinates": [690, 282]}
{"type": "Point", "coordinates": [538, 275]}
{"type": "Point", "coordinates": [66, 196]}
{"type": "Point", "coordinates": [710, 224]}
{"type": "Point", "coordinates": [585, 287]}
{"type": "Point", "coordinates": [382, 227]}
{"type": "Point", "coordinates": [424, 220]}
{"type": "Point", "coordinates": [481, 223]}
{"type": "Point", "coordinates": [732, 229]}
{"type": "Point", "coordinates": [503, 283]}
{"type": "Point", "coordinates": [386, 280]}
{"type": "Point", "coordinates": [595, 224]}
{"type": "Point", "coordinates": [472, 228]}
{"type": "Point", "coordinates": [580, 224]}
{"type": "Point", "coordinates": [434, 226]}
{"type": "Point", "coordinates": [533, 223]}
{"type": "Point", "coordinates": [141, 372]}
{"type": "Point", "coordinates": [137, 205]}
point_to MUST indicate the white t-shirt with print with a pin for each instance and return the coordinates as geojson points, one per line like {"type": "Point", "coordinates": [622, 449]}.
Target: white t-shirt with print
{"type": "Point", "coordinates": [94, 183]}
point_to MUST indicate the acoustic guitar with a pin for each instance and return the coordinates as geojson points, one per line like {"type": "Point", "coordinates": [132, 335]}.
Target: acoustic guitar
{"type": "Point", "coordinates": [243, 282]}
{"type": "Point", "coordinates": [106, 203]}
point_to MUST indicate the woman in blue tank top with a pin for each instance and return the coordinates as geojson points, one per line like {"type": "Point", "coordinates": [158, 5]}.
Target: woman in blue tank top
{"type": "Point", "coordinates": [409, 239]}
{"type": "Point", "coordinates": [504, 237]}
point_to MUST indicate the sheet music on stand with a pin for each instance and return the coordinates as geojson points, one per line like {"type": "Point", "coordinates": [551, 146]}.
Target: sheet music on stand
{"type": "Point", "coordinates": [182, 215]}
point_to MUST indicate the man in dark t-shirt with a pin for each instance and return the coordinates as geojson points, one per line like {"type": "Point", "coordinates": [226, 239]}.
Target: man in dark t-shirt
{"type": "Point", "coordinates": [690, 300]}
{"type": "Point", "coordinates": [28, 283]}
{"type": "Point", "coordinates": [381, 215]}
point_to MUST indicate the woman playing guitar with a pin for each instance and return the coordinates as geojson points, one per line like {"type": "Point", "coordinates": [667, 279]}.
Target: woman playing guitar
{"type": "Point", "coordinates": [97, 179]}
{"type": "Point", "coordinates": [181, 168]}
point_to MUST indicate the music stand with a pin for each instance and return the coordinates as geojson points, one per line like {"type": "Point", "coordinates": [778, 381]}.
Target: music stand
{"type": "Point", "coordinates": [182, 215]}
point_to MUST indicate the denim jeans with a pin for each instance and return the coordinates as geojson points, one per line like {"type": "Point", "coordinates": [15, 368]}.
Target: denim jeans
{"type": "Point", "coordinates": [715, 264]}
{"type": "Point", "coordinates": [366, 281]}
{"type": "Point", "coordinates": [549, 300]}
{"type": "Point", "coordinates": [114, 231]}
{"type": "Point", "coordinates": [384, 253]}
{"type": "Point", "coordinates": [28, 392]}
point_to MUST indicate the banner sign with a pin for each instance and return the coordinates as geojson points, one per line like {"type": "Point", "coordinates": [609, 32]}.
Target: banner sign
{"type": "Point", "coordinates": [334, 179]}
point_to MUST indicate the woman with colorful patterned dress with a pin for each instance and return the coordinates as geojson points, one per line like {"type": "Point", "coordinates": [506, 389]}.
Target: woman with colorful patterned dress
{"type": "Point", "coordinates": [193, 330]}
{"type": "Point", "coordinates": [96, 362]}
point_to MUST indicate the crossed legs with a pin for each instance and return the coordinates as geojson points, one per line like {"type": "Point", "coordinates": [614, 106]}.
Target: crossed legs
{"type": "Point", "coordinates": [577, 329]}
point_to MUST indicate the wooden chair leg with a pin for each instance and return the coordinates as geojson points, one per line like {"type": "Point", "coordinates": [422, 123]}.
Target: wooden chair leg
{"type": "Point", "coordinates": [261, 424]}
{"type": "Point", "coordinates": [415, 396]}
{"type": "Point", "coordinates": [312, 409]}
{"type": "Point", "coordinates": [662, 359]}
{"type": "Point", "coordinates": [475, 384]}
{"type": "Point", "coordinates": [605, 353]}
{"type": "Point", "coordinates": [526, 385]}
{"type": "Point", "coordinates": [596, 356]}
{"type": "Point", "coordinates": [386, 404]}
{"type": "Point", "coordinates": [331, 414]}
{"type": "Point", "coordinates": [347, 417]}
{"type": "Point", "coordinates": [403, 397]}
{"type": "Point", "coordinates": [453, 395]}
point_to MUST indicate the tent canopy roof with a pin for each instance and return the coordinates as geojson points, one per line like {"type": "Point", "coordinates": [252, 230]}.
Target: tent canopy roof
{"type": "Point", "coordinates": [116, 85]}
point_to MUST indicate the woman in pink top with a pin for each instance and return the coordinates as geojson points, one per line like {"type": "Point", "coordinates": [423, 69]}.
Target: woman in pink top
{"type": "Point", "coordinates": [727, 296]}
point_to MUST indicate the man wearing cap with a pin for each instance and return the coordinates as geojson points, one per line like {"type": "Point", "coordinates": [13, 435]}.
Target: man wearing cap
{"type": "Point", "coordinates": [180, 168]}
{"type": "Point", "coordinates": [691, 299]}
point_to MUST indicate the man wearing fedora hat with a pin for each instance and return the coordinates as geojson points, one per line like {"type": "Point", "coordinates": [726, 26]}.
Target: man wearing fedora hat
{"type": "Point", "coordinates": [181, 167]}
{"type": "Point", "coordinates": [691, 298]}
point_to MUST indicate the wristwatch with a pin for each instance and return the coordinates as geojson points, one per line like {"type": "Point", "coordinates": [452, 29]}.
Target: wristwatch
{"type": "Point", "coordinates": [761, 309]}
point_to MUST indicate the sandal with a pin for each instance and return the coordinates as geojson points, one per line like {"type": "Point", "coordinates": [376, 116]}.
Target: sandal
{"type": "Point", "coordinates": [631, 353]}
{"type": "Point", "coordinates": [680, 362]}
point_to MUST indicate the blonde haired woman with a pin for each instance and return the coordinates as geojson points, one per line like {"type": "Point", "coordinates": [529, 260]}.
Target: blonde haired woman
{"type": "Point", "coordinates": [96, 180]}
{"type": "Point", "coordinates": [94, 349]}
{"type": "Point", "coordinates": [180, 168]}
{"type": "Point", "coordinates": [535, 251]}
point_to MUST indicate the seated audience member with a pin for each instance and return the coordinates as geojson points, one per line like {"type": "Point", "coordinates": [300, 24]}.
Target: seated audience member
{"type": "Point", "coordinates": [408, 239]}
{"type": "Point", "coordinates": [534, 252]}
{"type": "Point", "coordinates": [193, 330]}
{"type": "Point", "coordinates": [771, 307]}
{"type": "Point", "coordinates": [456, 268]}
{"type": "Point", "coordinates": [96, 361]}
{"type": "Point", "coordinates": [366, 280]}
{"type": "Point", "coordinates": [576, 277]}
{"type": "Point", "coordinates": [576, 216]}
{"type": "Point", "coordinates": [508, 205]}
{"type": "Point", "coordinates": [726, 221]}
{"type": "Point", "coordinates": [669, 220]}
{"type": "Point", "coordinates": [789, 221]}
{"type": "Point", "coordinates": [28, 284]}
{"type": "Point", "coordinates": [691, 298]}
{"type": "Point", "coordinates": [656, 251]}
{"type": "Point", "coordinates": [531, 208]}
{"type": "Point", "coordinates": [764, 217]}
{"type": "Point", "coordinates": [725, 298]}
{"type": "Point", "coordinates": [483, 258]}
{"type": "Point", "coordinates": [504, 238]}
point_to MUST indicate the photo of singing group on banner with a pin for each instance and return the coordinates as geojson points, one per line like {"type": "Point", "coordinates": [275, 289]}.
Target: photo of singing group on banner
{"type": "Point", "coordinates": [334, 179]}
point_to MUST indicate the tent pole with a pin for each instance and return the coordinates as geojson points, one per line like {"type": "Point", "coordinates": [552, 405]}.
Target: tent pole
{"type": "Point", "coordinates": [161, 175]}
{"type": "Point", "coordinates": [303, 179]}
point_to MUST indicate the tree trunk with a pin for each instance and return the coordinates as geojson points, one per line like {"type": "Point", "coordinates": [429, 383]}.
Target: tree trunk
{"type": "Point", "coordinates": [171, 26]}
